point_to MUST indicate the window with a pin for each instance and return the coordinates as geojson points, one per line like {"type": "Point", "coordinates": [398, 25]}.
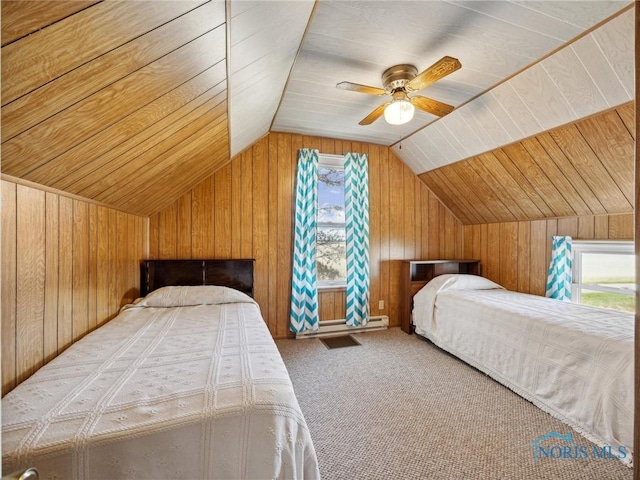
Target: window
{"type": "Point", "coordinates": [604, 274]}
{"type": "Point", "coordinates": [331, 248]}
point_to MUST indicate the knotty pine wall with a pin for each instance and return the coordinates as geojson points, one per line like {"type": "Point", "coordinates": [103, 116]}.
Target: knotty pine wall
{"type": "Point", "coordinates": [517, 254]}
{"type": "Point", "coordinates": [245, 210]}
{"type": "Point", "coordinates": [67, 267]}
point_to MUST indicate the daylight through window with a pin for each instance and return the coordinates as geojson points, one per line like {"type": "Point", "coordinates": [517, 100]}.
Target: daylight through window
{"type": "Point", "coordinates": [604, 274]}
{"type": "Point", "coordinates": [331, 244]}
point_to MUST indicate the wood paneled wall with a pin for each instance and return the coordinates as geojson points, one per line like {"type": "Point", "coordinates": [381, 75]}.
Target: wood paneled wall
{"type": "Point", "coordinates": [67, 267]}
{"type": "Point", "coordinates": [332, 304]}
{"type": "Point", "coordinates": [516, 254]}
{"type": "Point", "coordinates": [246, 209]}
{"type": "Point", "coordinates": [585, 168]}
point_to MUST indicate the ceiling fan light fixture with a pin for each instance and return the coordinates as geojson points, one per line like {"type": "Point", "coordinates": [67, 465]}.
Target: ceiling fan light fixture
{"type": "Point", "coordinates": [400, 80]}
{"type": "Point", "coordinates": [399, 112]}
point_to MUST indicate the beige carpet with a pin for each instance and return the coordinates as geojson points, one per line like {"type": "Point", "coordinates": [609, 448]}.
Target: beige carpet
{"type": "Point", "coordinates": [397, 407]}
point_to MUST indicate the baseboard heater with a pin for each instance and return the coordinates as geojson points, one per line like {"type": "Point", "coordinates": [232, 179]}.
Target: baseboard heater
{"type": "Point", "coordinates": [334, 327]}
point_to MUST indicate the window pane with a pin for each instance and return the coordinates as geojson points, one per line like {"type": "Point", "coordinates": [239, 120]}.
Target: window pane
{"type": "Point", "coordinates": [331, 250]}
{"type": "Point", "coordinates": [330, 195]}
{"type": "Point", "coordinates": [608, 269]}
{"type": "Point", "coordinates": [331, 254]}
{"type": "Point", "coordinates": [616, 301]}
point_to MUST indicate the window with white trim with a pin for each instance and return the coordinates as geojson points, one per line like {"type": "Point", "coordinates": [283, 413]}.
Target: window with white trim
{"type": "Point", "coordinates": [604, 274]}
{"type": "Point", "coordinates": [331, 248]}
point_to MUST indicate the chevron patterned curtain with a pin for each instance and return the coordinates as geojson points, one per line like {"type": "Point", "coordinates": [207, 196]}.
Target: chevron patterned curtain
{"type": "Point", "coordinates": [559, 278]}
{"type": "Point", "coordinates": [304, 290]}
{"type": "Point", "coordinates": [356, 197]}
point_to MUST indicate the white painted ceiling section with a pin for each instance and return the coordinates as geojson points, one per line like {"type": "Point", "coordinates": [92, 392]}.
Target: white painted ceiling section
{"type": "Point", "coordinates": [265, 37]}
{"type": "Point", "coordinates": [357, 40]}
{"type": "Point", "coordinates": [592, 74]}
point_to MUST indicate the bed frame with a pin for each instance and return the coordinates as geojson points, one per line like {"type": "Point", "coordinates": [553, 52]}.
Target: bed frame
{"type": "Point", "coordinates": [579, 411]}
{"type": "Point", "coordinates": [236, 273]}
{"type": "Point", "coordinates": [164, 345]}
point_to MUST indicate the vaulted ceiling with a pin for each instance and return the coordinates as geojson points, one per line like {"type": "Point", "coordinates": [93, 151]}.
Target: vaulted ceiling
{"type": "Point", "coordinates": [357, 41]}
{"type": "Point", "coordinates": [121, 102]}
{"type": "Point", "coordinates": [591, 74]}
{"type": "Point", "coordinates": [133, 103]}
{"type": "Point", "coordinates": [585, 168]}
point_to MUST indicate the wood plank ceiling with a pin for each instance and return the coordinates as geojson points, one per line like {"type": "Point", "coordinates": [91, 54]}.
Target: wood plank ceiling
{"type": "Point", "coordinates": [590, 75]}
{"type": "Point", "coordinates": [261, 55]}
{"type": "Point", "coordinates": [130, 106]}
{"type": "Point", "coordinates": [586, 168]}
{"type": "Point", "coordinates": [126, 102]}
{"type": "Point", "coordinates": [357, 41]}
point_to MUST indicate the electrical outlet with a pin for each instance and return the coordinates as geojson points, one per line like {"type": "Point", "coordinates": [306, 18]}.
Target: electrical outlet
{"type": "Point", "coordinates": [381, 305]}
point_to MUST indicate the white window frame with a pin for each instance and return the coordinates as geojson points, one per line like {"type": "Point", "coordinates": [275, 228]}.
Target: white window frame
{"type": "Point", "coordinates": [610, 247]}
{"type": "Point", "coordinates": [331, 161]}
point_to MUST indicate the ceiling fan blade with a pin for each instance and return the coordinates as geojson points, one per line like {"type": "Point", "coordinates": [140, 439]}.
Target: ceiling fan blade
{"type": "Point", "coordinates": [373, 116]}
{"type": "Point", "coordinates": [435, 72]}
{"type": "Point", "coordinates": [356, 87]}
{"type": "Point", "coordinates": [431, 106]}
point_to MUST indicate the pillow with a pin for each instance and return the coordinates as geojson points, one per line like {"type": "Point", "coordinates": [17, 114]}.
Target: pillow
{"type": "Point", "coordinates": [459, 281]}
{"type": "Point", "coordinates": [184, 296]}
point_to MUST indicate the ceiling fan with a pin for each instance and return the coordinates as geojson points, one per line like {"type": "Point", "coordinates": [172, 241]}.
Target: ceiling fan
{"type": "Point", "coordinates": [399, 81]}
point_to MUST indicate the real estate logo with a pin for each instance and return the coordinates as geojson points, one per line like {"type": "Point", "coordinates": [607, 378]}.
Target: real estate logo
{"type": "Point", "coordinates": [555, 446]}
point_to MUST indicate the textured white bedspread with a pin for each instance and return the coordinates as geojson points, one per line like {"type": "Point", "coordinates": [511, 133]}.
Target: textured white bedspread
{"type": "Point", "coordinates": [573, 361]}
{"type": "Point", "coordinates": [196, 392]}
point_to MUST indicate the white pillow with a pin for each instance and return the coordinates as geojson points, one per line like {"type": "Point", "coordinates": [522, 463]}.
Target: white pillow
{"type": "Point", "coordinates": [184, 296]}
{"type": "Point", "coordinates": [460, 281]}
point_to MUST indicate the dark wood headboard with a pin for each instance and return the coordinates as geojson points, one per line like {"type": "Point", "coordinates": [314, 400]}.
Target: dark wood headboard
{"type": "Point", "coordinates": [233, 273]}
{"type": "Point", "coordinates": [417, 273]}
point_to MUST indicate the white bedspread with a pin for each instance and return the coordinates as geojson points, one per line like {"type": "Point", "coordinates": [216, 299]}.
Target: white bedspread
{"type": "Point", "coordinates": [195, 392]}
{"type": "Point", "coordinates": [573, 361]}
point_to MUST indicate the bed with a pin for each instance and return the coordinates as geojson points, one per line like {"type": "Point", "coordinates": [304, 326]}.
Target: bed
{"type": "Point", "coordinates": [186, 383]}
{"type": "Point", "coordinates": [573, 361]}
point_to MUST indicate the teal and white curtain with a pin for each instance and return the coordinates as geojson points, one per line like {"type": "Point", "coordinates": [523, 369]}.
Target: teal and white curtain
{"type": "Point", "coordinates": [304, 289]}
{"type": "Point", "coordinates": [356, 197]}
{"type": "Point", "coordinates": [559, 278]}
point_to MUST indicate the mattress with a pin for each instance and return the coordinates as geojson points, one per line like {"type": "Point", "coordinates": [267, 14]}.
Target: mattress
{"type": "Point", "coordinates": [571, 360]}
{"type": "Point", "coordinates": [177, 386]}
